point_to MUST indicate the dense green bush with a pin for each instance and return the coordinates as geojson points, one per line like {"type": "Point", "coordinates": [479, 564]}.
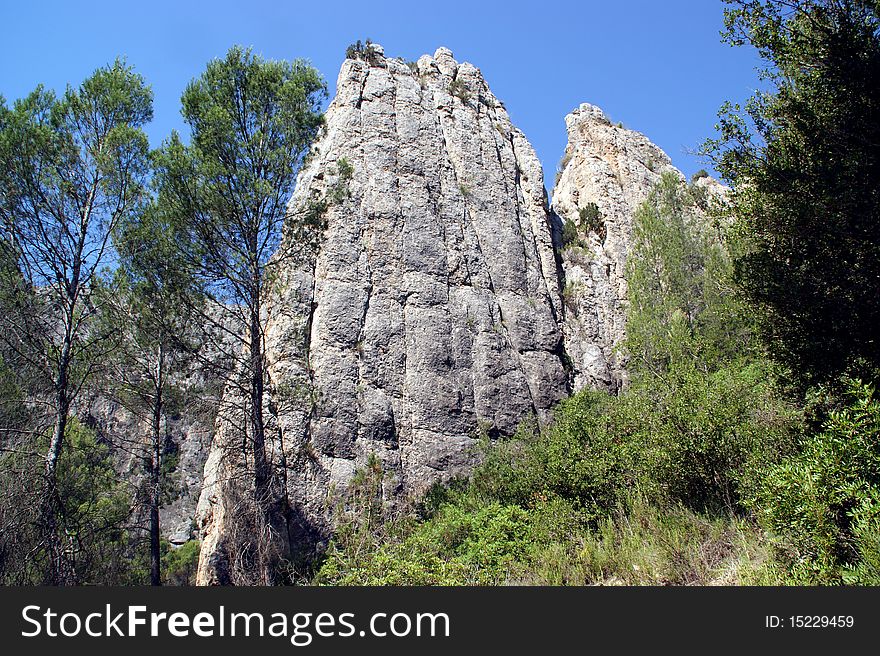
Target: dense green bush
{"type": "Point", "coordinates": [711, 415]}
{"type": "Point", "coordinates": [590, 219]}
{"type": "Point", "coordinates": [581, 459]}
{"type": "Point", "coordinates": [866, 538]}
{"type": "Point", "coordinates": [570, 235]}
{"type": "Point", "coordinates": [179, 564]}
{"type": "Point", "coordinates": [465, 539]}
{"type": "Point", "coordinates": [822, 503]}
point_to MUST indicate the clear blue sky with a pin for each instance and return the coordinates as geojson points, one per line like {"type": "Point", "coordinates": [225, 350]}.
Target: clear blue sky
{"type": "Point", "coordinates": [656, 65]}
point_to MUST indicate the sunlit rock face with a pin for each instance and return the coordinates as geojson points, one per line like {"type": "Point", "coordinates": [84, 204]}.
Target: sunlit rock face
{"type": "Point", "coordinates": [612, 169]}
{"type": "Point", "coordinates": [443, 300]}
{"type": "Point", "coordinates": [431, 311]}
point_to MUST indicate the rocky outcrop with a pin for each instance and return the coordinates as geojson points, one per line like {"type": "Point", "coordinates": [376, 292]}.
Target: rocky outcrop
{"type": "Point", "coordinates": [187, 438]}
{"type": "Point", "coordinates": [432, 309]}
{"type": "Point", "coordinates": [606, 173]}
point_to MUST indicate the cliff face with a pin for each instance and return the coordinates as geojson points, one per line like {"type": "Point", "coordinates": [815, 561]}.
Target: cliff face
{"type": "Point", "coordinates": [444, 299]}
{"type": "Point", "coordinates": [613, 169]}
{"type": "Point", "coordinates": [187, 438]}
{"type": "Point", "coordinates": [431, 310]}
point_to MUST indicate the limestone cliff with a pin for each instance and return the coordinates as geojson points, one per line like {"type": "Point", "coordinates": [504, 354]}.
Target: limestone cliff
{"type": "Point", "coordinates": [444, 299]}
{"type": "Point", "coordinates": [187, 437]}
{"type": "Point", "coordinates": [606, 173]}
{"type": "Point", "coordinates": [432, 309]}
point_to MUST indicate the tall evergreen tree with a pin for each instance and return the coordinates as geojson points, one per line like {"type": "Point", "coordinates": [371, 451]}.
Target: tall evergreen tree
{"type": "Point", "coordinates": [252, 122]}
{"type": "Point", "coordinates": [153, 307]}
{"type": "Point", "coordinates": [73, 168]}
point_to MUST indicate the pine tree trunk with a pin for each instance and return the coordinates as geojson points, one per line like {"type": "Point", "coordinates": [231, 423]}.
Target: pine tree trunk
{"type": "Point", "coordinates": [155, 469]}
{"type": "Point", "coordinates": [262, 475]}
{"type": "Point", "coordinates": [261, 466]}
{"type": "Point", "coordinates": [61, 570]}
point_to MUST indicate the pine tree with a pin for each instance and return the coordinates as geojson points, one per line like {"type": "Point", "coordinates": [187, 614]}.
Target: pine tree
{"type": "Point", "coordinates": [153, 307]}
{"type": "Point", "coordinates": [252, 122]}
{"type": "Point", "coordinates": [73, 168]}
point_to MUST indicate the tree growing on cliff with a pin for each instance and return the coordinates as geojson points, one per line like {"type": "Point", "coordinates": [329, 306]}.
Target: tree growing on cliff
{"type": "Point", "coordinates": [804, 158]}
{"type": "Point", "coordinates": [73, 168]}
{"type": "Point", "coordinates": [252, 122]}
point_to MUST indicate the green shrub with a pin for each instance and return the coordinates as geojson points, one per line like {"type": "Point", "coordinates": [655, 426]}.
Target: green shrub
{"type": "Point", "coordinates": [95, 509]}
{"type": "Point", "coordinates": [570, 235]}
{"type": "Point", "coordinates": [364, 51]}
{"type": "Point", "coordinates": [179, 564]}
{"type": "Point", "coordinates": [466, 541]}
{"type": "Point", "coordinates": [822, 502]}
{"type": "Point", "coordinates": [459, 545]}
{"type": "Point", "coordinates": [459, 89]}
{"type": "Point", "coordinates": [866, 537]}
{"type": "Point", "coordinates": [590, 219]}
{"type": "Point", "coordinates": [703, 436]}
{"type": "Point", "coordinates": [581, 458]}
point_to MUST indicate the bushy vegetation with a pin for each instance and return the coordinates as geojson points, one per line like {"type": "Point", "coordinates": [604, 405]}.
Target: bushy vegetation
{"type": "Point", "coordinates": [590, 219]}
{"type": "Point", "coordinates": [541, 510]}
{"type": "Point", "coordinates": [365, 51]}
{"type": "Point", "coordinates": [570, 235]}
{"type": "Point", "coordinates": [95, 508]}
{"type": "Point", "coordinates": [822, 504]}
{"type": "Point", "coordinates": [458, 88]}
{"type": "Point", "coordinates": [179, 564]}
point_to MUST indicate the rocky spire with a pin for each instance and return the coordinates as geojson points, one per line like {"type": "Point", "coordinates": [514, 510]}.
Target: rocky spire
{"type": "Point", "coordinates": [431, 310]}
{"type": "Point", "coordinates": [606, 173]}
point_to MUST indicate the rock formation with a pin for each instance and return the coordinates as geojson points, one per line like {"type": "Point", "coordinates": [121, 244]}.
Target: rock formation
{"type": "Point", "coordinates": [432, 309]}
{"type": "Point", "coordinates": [611, 169]}
{"type": "Point", "coordinates": [444, 300]}
{"type": "Point", "coordinates": [187, 438]}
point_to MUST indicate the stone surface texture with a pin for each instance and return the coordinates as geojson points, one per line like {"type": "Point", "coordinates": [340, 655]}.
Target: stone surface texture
{"type": "Point", "coordinates": [441, 302]}
{"type": "Point", "coordinates": [614, 168]}
{"type": "Point", "coordinates": [432, 309]}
